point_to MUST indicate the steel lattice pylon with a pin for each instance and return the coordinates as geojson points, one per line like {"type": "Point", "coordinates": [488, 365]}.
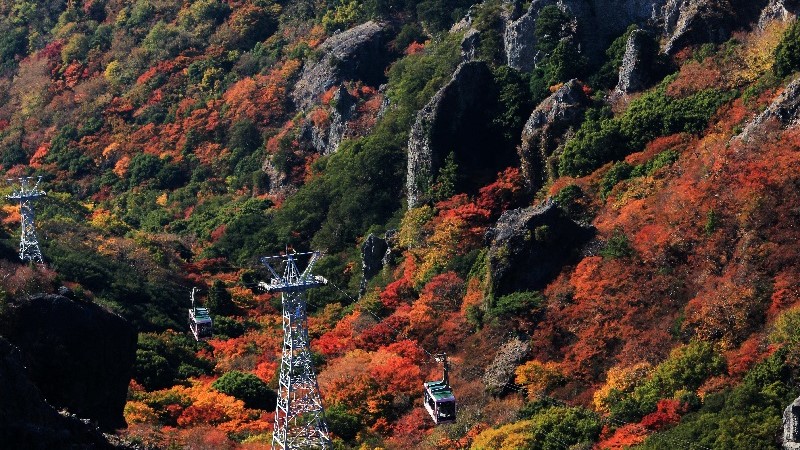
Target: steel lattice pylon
{"type": "Point", "coordinates": [25, 195]}
{"type": "Point", "coordinates": [299, 416]}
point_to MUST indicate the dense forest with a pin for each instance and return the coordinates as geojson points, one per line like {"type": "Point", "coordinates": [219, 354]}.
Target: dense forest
{"type": "Point", "coordinates": [589, 205]}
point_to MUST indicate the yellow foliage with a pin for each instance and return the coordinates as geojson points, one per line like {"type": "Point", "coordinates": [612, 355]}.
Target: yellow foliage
{"type": "Point", "coordinates": [138, 412]}
{"type": "Point", "coordinates": [162, 199]}
{"type": "Point", "coordinates": [412, 233]}
{"type": "Point", "coordinates": [538, 378]}
{"type": "Point", "coordinates": [756, 56]}
{"type": "Point", "coordinates": [514, 436]}
{"type": "Point", "coordinates": [620, 379]}
{"type": "Point", "coordinates": [441, 247]}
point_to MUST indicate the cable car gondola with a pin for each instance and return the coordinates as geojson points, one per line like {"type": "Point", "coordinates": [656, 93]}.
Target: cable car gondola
{"type": "Point", "coordinates": [200, 322]}
{"type": "Point", "coordinates": [439, 399]}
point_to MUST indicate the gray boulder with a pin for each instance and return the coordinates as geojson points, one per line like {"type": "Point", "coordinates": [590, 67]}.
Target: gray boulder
{"type": "Point", "coordinates": [784, 110]}
{"type": "Point", "coordinates": [528, 247]}
{"type": "Point", "coordinates": [499, 376]}
{"type": "Point", "coordinates": [356, 54]}
{"type": "Point", "coordinates": [546, 130]}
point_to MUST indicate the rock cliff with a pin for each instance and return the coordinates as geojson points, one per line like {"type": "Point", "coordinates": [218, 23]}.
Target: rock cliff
{"type": "Point", "coordinates": [326, 139]}
{"type": "Point", "coordinates": [373, 253]}
{"type": "Point", "coordinates": [783, 10]}
{"type": "Point", "coordinates": [78, 354]}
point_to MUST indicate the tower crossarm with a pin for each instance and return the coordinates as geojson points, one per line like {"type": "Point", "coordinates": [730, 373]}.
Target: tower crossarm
{"type": "Point", "coordinates": [292, 280]}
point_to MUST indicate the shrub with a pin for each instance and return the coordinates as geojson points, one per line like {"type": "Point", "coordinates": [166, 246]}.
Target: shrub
{"type": "Point", "coordinates": [602, 139]}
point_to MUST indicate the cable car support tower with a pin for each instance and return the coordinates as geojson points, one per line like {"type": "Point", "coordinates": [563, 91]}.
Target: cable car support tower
{"type": "Point", "coordinates": [299, 417]}
{"type": "Point", "coordinates": [26, 195]}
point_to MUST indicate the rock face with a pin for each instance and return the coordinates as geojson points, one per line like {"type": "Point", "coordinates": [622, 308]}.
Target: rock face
{"type": "Point", "coordinates": [781, 10]}
{"type": "Point", "coordinates": [456, 120]}
{"type": "Point", "coordinates": [600, 20]}
{"type": "Point", "coordinates": [529, 246]}
{"type": "Point", "coordinates": [785, 110]}
{"type": "Point", "coordinates": [681, 22]}
{"type": "Point", "coordinates": [373, 252]}
{"type": "Point", "coordinates": [688, 22]}
{"type": "Point", "coordinates": [545, 132]}
{"type": "Point", "coordinates": [791, 426]}
{"type": "Point", "coordinates": [326, 139]}
{"type": "Point", "coordinates": [637, 64]}
{"type": "Point", "coordinates": [356, 54]}
{"type": "Point", "coordinates": [469, 44]}
{"type": "Point", "coordinates": [499, 376]}
{"type": "Point", "coordinates": [519, 39]}
{"type": "Point", "coordinates": [27, 421]}
{"type": "Point", "coordinates": [79, 355]}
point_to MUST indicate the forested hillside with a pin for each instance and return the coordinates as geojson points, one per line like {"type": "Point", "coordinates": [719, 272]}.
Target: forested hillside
{"type": "Point", "coordinates": [589, 205]}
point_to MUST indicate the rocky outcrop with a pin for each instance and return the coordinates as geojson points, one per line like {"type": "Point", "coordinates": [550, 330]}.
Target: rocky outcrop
{"type": "Point", "coordinates": [359, 53]}
{"type": "Point", "coordinates": [27, 421]}
{"type": "Point", "coordinates": [499, 376]}
{"type": "Point", "coordinates": [637, 69]}
{"type": "Point", "coordinates": [780, 10]}
{"type": "Point", "coordinates": [689, 22]}
{"type": "Point", "coordinates": [784, 111]}
{"type": "Point", "coordinates": [458, 120]}
{"type": "Point", "coordinates": [454, 120]}
{"type": "Point", "coordinates": [325, 138]}
{"type": "Point", "coordinates": [545, 132]}
{"type": "Point", "coordinates": [78, 354]}
{"type": "Point", "coordinates": [528, 247]}
{"type": "Point", "coordinates": [791, 426]}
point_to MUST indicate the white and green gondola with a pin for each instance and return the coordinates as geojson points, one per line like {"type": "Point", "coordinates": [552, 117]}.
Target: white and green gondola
{"type": "Point", "coordinates": [439, 399]}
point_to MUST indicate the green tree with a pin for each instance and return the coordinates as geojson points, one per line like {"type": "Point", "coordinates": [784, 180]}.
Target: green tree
{"type": "Point", "coordinates": [220, 301]}
{"type": "Point", "coordinates": [551, 26]}
{"type": "Point", "coordinates": [248, 388]}
{"type": "Point", "coordinates": [787, 53]}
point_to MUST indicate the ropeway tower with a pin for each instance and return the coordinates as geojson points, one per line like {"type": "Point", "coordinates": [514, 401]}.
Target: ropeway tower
{"type": "Point", "coordinates": [299, 416]}
{"type": "Point", "coordinates": [26, 195]}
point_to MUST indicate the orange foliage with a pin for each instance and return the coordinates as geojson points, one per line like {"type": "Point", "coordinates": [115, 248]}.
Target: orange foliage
{"type": "Point", "coordinates": [695, 77]}
{"type": "Point", "coordinates": [414, 48]}
{"type": "Point", "coordinates": [624, 438]}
